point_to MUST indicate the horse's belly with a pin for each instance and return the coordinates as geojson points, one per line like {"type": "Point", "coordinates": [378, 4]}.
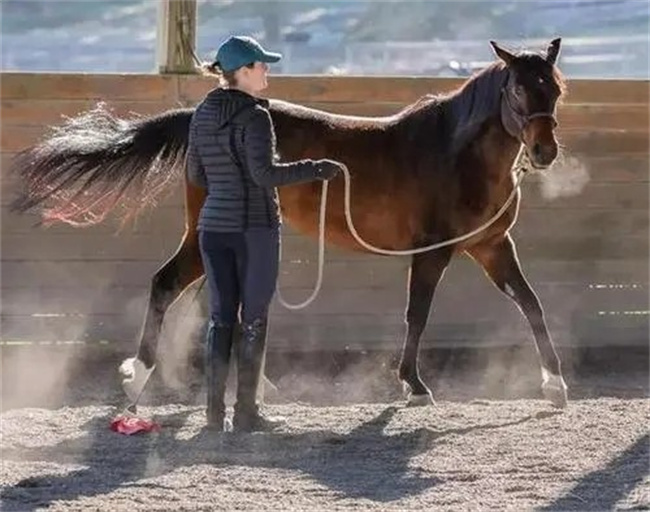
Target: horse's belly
{"type": "Point", "coordinates": [378, 222]}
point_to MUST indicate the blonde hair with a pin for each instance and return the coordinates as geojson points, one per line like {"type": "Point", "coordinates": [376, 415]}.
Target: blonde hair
{"type": "Point", "coordinates": [226, 78]}
{"type": "Point", "coordinates": [212, 69]}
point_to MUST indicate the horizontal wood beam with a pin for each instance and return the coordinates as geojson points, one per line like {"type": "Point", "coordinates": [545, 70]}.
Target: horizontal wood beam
{"type": "Point", "coordinates": [316, 89]}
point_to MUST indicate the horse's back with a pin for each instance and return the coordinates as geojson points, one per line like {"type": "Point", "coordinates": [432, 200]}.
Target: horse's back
{"type": "Point", "coordinates": [287, 112]}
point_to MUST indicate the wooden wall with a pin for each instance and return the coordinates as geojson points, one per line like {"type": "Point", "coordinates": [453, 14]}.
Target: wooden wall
{"type": "Point", "coordinates": [586, 253]}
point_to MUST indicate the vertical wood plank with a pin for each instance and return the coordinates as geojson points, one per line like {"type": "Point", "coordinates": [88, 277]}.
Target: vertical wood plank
{"type": "Point", "coordinates": [176, 36]}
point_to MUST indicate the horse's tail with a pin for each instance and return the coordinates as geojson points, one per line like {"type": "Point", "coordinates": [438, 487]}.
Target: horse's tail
{"type": "Point", "coordinates": [96, 161]}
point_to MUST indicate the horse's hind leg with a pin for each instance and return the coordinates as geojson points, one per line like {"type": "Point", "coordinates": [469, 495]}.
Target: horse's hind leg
{"type": "Point", "coordinates": [167, 284]}
{"type": "Point", "coordinates": [424, 275]}
{"type": "Point", "coordinates": [501, 264]}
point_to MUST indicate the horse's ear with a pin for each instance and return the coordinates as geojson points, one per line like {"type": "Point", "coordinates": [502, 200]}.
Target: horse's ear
{"type": "Point", "coordinates": [502, 53]}
{"type": "Point", "coordinates": [553, 50]}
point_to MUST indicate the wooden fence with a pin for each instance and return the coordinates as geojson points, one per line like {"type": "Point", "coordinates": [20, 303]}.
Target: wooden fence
{"type": "Point", "coordinates": [585, 252]}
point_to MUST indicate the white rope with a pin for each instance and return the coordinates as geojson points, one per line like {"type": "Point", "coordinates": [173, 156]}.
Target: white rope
{"type": "Point", "coordinates": [519, 173]}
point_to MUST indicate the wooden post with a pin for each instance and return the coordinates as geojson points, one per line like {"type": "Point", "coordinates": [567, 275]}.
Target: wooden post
{"type": "Point", "coordinates": [271, 12]}
{"type": "Point", "coordinates": [176, 36]}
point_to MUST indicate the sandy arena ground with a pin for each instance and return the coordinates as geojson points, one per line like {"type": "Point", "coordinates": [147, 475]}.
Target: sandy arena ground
{"type": "Point", "coordinates": [476, 449]}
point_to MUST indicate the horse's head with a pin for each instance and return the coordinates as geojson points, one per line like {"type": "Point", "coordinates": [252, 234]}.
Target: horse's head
{"type": "Point", "coordinates": [529, 98]}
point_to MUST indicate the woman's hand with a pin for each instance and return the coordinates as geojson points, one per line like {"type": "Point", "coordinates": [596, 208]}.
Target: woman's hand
{"type": "Point", "coordinates": [328, 169]}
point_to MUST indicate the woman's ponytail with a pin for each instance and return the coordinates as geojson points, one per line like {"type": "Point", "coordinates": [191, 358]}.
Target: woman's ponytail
{"type": "Point", "coordinates": [212, 69]}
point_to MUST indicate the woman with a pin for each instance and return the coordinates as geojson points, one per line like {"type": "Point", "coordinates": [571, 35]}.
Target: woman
{"type": "Point", "coordinates": [232, 154]}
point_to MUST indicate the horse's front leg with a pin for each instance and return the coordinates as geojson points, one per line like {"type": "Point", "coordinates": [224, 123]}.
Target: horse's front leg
{"type": "Point", "coordinates": [424, 275]}
{"type": "Point", "coordinates": [501, 264]}
{"type": "Point", "coordinates": [167, 285]}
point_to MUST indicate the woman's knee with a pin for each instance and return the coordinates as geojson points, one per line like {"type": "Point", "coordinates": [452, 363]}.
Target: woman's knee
{"type": "Point", "coordinates": [225, 309]}
{"type": "Point", "coordinates": [254, 311]}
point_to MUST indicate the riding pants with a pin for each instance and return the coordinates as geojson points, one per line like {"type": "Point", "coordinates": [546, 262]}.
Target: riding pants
{"type": "Point", "coordinates": [242, 272]}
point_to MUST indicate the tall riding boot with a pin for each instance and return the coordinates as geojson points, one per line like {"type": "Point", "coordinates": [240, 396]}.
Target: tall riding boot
{"type": "Point", "coordinates": [218, 348]}
{"type": "Point", "coordinates": [250, 358]}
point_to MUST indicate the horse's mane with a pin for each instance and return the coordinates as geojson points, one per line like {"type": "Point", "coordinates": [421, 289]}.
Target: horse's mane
{"type": "Point", "coordinates": [471, 103]}
{"type": "Point", "coordinates": [449, 121]}
{"type": "Point", "coordinates": [445, 121]}
{"type": "Point", "coordinates": [439, 125]}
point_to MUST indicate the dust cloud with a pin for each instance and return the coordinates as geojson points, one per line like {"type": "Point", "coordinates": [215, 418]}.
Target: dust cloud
{"type": "Point", "coordinates": [181, 344]}
{"type": "Point", "coordinates": [46, 354]}
{"type": "Point", "coordinates": [38, 374]}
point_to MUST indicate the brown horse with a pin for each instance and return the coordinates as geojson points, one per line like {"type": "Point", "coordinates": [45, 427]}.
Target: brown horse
{"type": "Point", "coordinates": [433, 171]}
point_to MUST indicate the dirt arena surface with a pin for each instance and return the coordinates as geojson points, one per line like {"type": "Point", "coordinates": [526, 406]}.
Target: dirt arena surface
{"type": "Point", "coordinates": [489, 443]}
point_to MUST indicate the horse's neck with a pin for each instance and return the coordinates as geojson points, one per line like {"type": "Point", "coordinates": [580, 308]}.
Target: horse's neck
{"type": "Point", "coordinates": [498, 151]}
{"type": "Point", "coordinates": [477, 103]}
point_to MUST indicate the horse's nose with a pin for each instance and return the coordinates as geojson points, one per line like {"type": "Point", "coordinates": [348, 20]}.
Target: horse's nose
{"type": "Point", "coordinates": [544, 154]}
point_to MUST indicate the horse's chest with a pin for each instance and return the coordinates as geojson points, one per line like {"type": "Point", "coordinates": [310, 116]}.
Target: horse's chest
{"type": "Point", "coordinates": [488, 216]}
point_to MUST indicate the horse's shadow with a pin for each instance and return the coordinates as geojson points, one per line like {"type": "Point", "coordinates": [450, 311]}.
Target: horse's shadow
{"type": "Point", "coordinates": [364, 463]}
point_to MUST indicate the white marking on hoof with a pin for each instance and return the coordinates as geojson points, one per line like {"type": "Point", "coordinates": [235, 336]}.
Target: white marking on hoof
{"type": "Point", "coordinates": [419, 400]}
{"type": "Point", "coordinates": [136, 375]}
{"type": "Point", "coordinates": [554, 388]}
{"type": "Point", "coordinates": [416, 400]}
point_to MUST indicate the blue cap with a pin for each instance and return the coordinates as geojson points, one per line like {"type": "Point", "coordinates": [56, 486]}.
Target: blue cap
{"type": "Point", "coordinates": [238, 51]}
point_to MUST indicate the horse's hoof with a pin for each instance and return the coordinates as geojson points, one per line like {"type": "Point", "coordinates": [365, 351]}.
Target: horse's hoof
{"type": "Point", "coordinates": [557, 396]}
{"type": "Point", "coordinates": [416, 400]}
{"type": "Point", "coordinates": [419, 400]}
{"type": "Point", "coordinates": [136, 375]}
{"type": "Point", "coordinates": [554, 389]}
